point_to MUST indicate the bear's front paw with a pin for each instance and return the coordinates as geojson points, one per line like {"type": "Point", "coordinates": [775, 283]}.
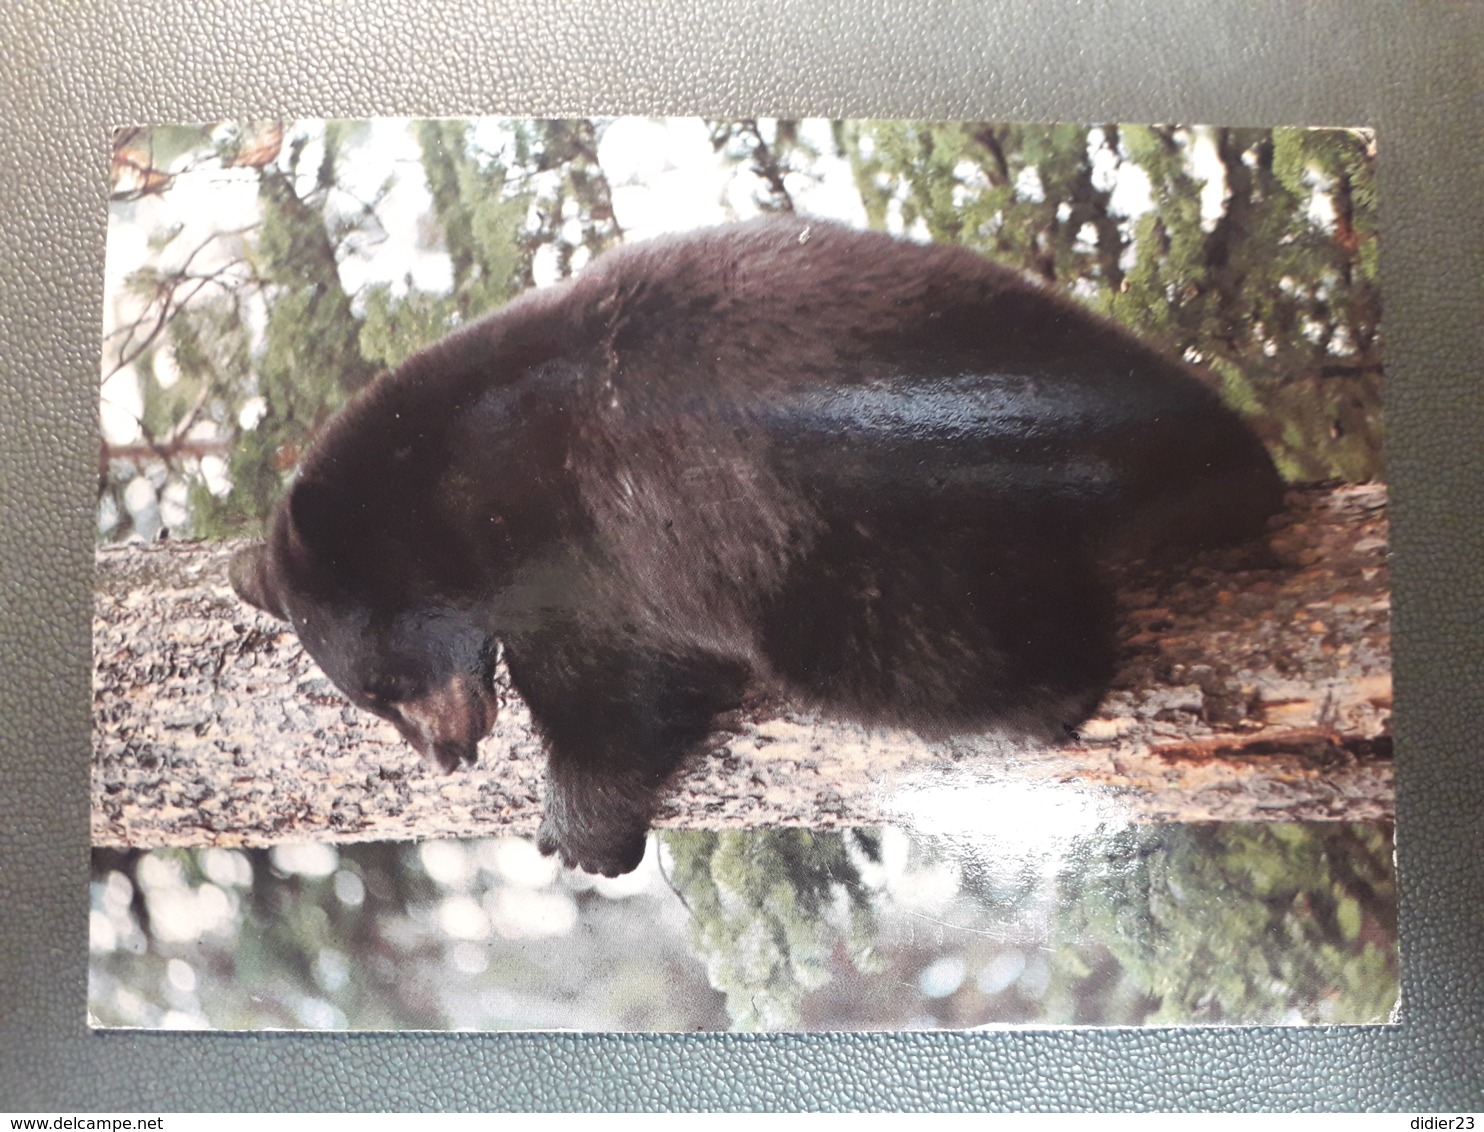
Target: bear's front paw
{"type": "Point", "coordinates": [609, 853]}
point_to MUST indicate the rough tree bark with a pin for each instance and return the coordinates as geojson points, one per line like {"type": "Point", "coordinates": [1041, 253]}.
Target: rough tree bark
{"type": "Point", "coordinates": [1247, 692]}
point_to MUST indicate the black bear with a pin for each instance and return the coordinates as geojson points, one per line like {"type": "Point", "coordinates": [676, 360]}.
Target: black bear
{"type": "Point", "coordinates": [878, 479]}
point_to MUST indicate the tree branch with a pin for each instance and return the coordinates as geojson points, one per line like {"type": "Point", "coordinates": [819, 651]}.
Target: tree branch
{"type": "Point", "coordinates": [1246, 693]}
{"type": "Point", "coordinates": [166, 288]}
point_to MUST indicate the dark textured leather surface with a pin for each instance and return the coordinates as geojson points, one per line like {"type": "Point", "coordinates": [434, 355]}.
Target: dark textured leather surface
{"type": "Point", "coordinates": [73, 71]}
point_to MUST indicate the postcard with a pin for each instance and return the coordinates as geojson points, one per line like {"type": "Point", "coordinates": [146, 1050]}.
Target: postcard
{"type": "Point", "coordinates": [752, 574]}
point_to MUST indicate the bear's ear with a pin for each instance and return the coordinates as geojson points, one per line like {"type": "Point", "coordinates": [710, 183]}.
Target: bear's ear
{"type": "Point", "coordinates": [322, 518]}
{"type": "Point", "coordinates": [249, 576]}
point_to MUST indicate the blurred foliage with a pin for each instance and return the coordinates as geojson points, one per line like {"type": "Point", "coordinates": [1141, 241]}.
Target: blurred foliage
{"type": "Point", "coordinates": [1245, 923]}
{"type": "Point", "coordinates": [385, 936]}
{"type": "Point", "coordinates": [774, 153]}
{"type": "Point", "coordinates": [1277, 295]}
{"type": "Point", "coordinates": [1177, 924]}
{"type": "Point", "coordinates": [774, 911]}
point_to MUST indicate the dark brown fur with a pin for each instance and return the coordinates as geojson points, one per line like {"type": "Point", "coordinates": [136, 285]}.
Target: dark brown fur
{"type": "Point", "coordinates": [877, 478]}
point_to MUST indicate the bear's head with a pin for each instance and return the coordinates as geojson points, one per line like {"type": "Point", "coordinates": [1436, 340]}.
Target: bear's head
{"type": "Point", "coordinates": [416, 657]}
